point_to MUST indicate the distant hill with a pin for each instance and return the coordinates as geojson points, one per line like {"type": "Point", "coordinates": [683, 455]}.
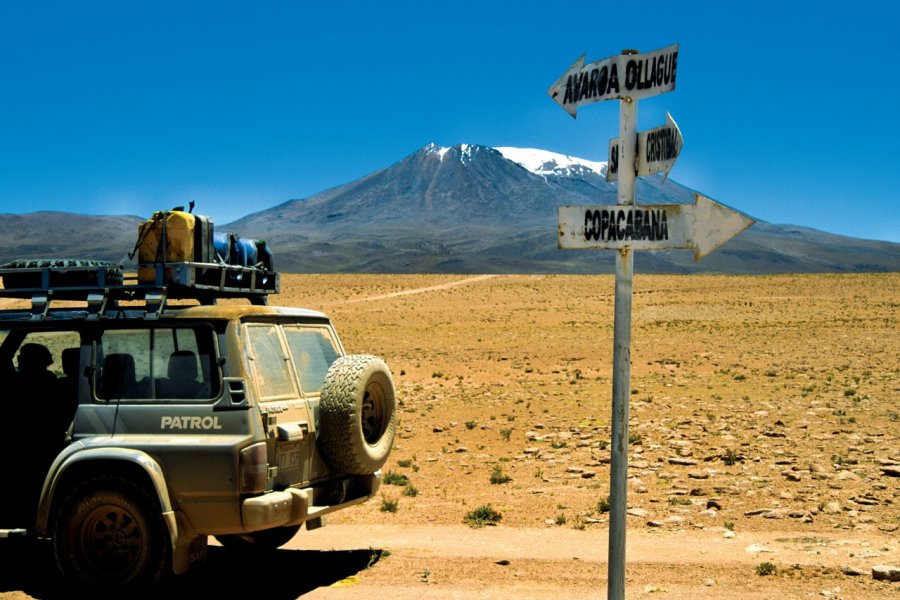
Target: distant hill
{"type": "Point", "coordinates": [66, 235]}
{"type": "Point", "coordinates": [464, 209]}
{"type": "Point", "coordinates": [475, 209]}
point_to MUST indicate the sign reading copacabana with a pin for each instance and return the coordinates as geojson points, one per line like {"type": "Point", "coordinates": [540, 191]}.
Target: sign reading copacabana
{"type": "Point", "coordinates": [701, 227]}
{"type": "Point", "coordinates": [624, 75]}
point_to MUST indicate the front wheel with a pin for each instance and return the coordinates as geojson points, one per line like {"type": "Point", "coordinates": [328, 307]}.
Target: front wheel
{"type": "Point", "coordinates": [110, 534]}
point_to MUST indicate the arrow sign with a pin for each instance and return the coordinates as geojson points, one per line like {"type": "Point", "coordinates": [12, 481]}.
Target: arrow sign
{"type": "Point", "coordinates": [622, 76]}
{"type": "Point", "coordinates": [702, 226]}
{"type": "Point", "coordinates": [657, 151]}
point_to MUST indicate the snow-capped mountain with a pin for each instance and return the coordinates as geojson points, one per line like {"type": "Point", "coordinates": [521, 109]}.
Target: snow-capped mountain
{"type": "Point", "coordinates": [469, 209]}
{"type": "Point", "coordinates": [476, 209]}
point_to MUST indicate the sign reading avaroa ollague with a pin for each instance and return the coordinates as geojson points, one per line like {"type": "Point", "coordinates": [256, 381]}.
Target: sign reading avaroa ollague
{"type": "Point", "coordinates": [657, 151]}
{"type": "Point", "coordinates": [624, 75]}
{"type": "Point", "coordinates": [702, 226]}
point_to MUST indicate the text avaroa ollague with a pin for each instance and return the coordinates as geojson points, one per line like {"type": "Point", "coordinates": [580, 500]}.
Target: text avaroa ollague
{"type": "Point", "coordinates": [626, 223]}
{"type": "Point", "coordinates": [604, 81]}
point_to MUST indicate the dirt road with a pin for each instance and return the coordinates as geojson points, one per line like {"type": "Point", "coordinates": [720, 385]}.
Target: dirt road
{"type": "Point", "coordinates": [422, 562]}
{"type": "Point", "coordinates": [501, 562]}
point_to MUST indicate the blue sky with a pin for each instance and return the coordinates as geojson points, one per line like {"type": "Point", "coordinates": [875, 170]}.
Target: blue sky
{"type": "Point", "coordinates": [788, 109]}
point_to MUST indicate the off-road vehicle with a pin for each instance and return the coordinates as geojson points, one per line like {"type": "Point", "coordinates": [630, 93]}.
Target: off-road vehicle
{"type": "Point", "coordinates": [134, 427]}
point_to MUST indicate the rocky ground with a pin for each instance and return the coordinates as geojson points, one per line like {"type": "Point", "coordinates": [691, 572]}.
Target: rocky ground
{"type": "Point", "coordinates": [758, 404]}
{"type": "Point", "coordinates": [764, 440]}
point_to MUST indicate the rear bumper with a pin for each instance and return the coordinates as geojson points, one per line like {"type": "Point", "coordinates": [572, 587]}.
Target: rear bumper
{"type": "Point", "coordinates": [294, 506]}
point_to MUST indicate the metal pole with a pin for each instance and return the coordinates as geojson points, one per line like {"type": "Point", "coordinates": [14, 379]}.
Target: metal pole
{"type": "Point", "coordinates": [621, 358]}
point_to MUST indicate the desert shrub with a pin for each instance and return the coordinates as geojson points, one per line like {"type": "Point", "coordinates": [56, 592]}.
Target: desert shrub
{"type": "Point", "coordinates": [678, 500]}
{"type": "Point", "coordinates": [603, 505]}
{"type": "Point", "coordinates": [481, 516]}
{"type": "Point", "coordinates": [731, 457]}
{"type": "Point", "coordinates": [498, 476]}
{"type": "Point", "coordinates": [391, 478]}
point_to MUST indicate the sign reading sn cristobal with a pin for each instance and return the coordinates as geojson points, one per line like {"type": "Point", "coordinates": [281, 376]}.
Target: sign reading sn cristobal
{"type": "Point", "coordinates": [624, 75]}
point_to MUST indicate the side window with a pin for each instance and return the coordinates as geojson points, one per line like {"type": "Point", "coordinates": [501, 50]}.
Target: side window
{"type": "Point", "coordinates": [124, 365]}
{"type": "Point", "coordinates": [267, 359]}
{"type": "Point", "coordinates": [313, 350]}
{"type": "Point", "coordinates": [165, 363]}
{"type": "Point", "coordinates": [42, 351]}
{"type": "Point", "coordinates": [44, 366]}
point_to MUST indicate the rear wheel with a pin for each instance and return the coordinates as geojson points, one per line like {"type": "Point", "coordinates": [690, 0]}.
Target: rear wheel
{"type": "Point", "coordinates": [110, 533]}
{"type": "Point", "coordinates": [265, 540]}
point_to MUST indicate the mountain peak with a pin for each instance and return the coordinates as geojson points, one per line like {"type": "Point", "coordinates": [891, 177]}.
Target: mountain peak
{"type": "Point", "coordinates": [464, 153]}
{"type": "Point", "coordinates": [544, 162]}
{"type": "Point", "coordinates": [538, 162]}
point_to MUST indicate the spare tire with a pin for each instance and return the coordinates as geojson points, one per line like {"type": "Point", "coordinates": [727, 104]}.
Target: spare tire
{"type": "Point", "coordinates": [63, 272]}
{"type": "Point", "coordinates": [357, 414]}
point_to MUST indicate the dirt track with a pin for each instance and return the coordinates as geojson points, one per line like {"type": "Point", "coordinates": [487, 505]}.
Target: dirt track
{"type": "Point", "coordinates": [458, 562]}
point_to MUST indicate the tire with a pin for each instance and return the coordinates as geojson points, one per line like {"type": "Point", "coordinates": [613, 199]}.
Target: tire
{"type": "Point", "coordinates": [110, 533]}
{"type": "Point", "coordinates": [357, 414]}
{"type": "Point", "coordinates": [266, 540]}
{"type": "Point", "coordinates": [63, 272]}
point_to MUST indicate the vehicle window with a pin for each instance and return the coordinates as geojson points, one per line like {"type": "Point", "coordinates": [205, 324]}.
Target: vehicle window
{"type": "Point", "coordinates": [164, 363]}
{"type": "Point", "coordinates": [43, 366]}
{"type": "Point", "coordinates": [267, 358]}
{"type": "Point", "coordinates": [313, 350]}
{"type": "Point", "coordinates": [46, 347]}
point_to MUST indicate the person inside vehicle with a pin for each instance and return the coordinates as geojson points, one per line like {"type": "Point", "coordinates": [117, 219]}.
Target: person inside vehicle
{"type": "Point", "coordinates": [34, 375]}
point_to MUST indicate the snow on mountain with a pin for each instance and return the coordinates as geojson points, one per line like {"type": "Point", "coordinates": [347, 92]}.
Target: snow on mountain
{"type": "Point", "coordinates": [466, 151]}
{"type": "Point", "coordinates": [543, 162]}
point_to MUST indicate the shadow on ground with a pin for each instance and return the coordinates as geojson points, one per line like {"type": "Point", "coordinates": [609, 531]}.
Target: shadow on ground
{"type": "Point", "coordinates": [28, 567]}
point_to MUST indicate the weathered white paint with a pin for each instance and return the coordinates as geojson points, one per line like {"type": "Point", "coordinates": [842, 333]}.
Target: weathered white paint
{"type": "Point", "coordinates": [657, 150]}
{"type": "Point", "coordinates": [702, 226]}
{"type": "Point", "coordinates": [626, 75]}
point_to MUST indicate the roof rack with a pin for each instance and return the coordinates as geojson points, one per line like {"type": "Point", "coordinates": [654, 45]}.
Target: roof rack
{"type": "Point", "coordinates": [103, 285]}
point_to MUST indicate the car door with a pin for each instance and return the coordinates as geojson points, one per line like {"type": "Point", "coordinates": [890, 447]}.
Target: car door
{"type": "Point", "coordinates": [285, 408]}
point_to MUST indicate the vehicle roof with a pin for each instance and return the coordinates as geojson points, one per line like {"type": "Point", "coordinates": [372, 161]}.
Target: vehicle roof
{"type": "Point", "coordinates": [196, 312]}
{"type": "Point", "coordinates": [236, 311]}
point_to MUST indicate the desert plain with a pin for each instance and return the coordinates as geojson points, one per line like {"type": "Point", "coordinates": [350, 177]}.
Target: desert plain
{"type": "Point", "coordinates": [764, 428]}
{"type": "Point", "coordinates": [764, 440]}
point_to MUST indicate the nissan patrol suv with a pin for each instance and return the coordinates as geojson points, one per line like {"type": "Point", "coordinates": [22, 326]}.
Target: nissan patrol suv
{"type": "Point", "coordinates": [134, 426]}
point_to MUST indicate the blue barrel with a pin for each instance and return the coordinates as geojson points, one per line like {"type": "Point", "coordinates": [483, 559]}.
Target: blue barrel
{"type": "Point", "coordinates": [245, 252]}
{"type": "Point", "coordinates": [222, 245]}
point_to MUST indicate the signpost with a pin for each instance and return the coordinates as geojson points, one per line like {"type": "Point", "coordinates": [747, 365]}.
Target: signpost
{"type": "Point", "coordinates": [657, 151]}
{"type": "Point", "coordinates": [703, 226]}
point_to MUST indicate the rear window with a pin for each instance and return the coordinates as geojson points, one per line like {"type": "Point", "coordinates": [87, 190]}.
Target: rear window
{"type": "Point", "coordinates": [313, 349]}
{"type": "Point", "coordinates": [269, 361]}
